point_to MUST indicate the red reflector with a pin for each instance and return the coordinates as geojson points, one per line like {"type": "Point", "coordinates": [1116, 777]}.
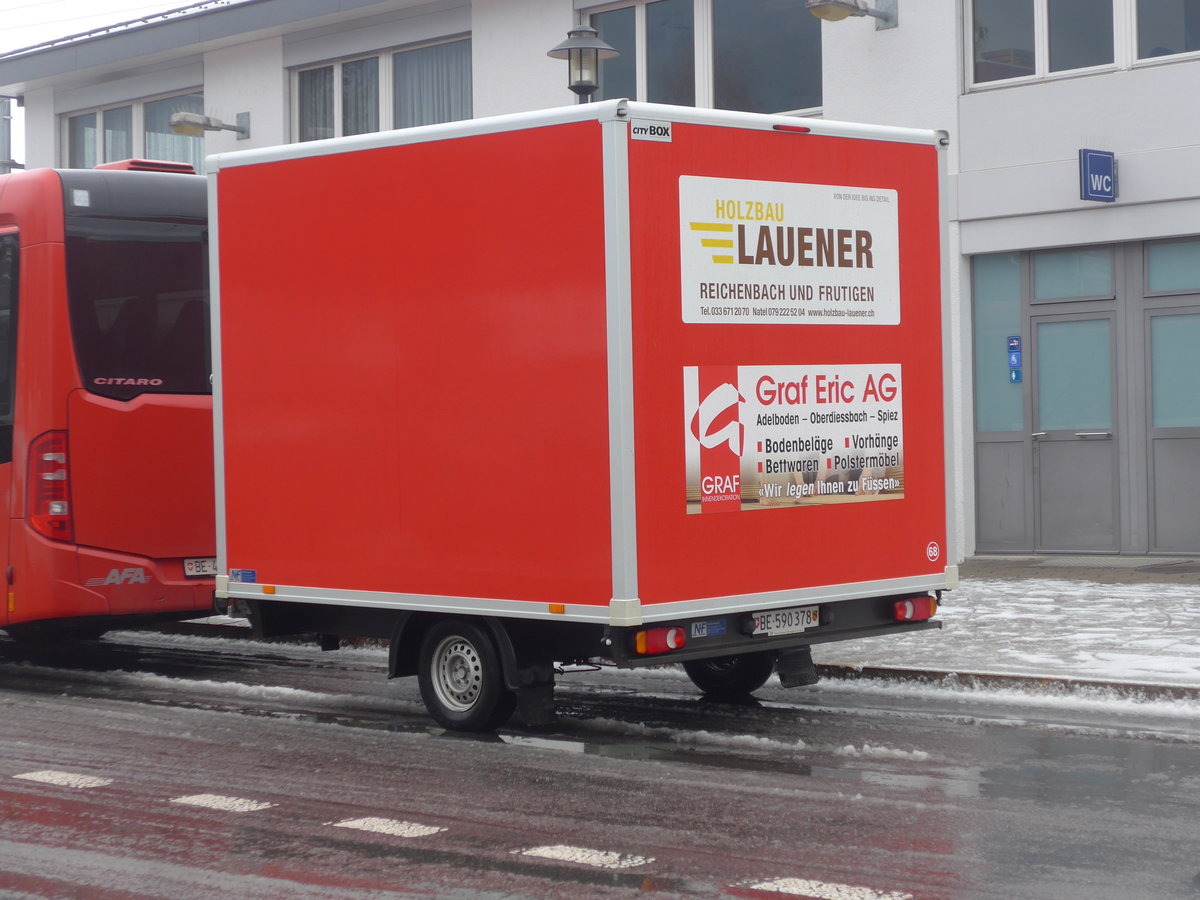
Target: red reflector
{"type": "Point", "coordinates": [794, 129]}
{"type": "Point", "coordinates": [915, 609]}
{"type": "Point", "coordinates": [659, 640]}
{"type": "Point", "coordinates": [49, 487]}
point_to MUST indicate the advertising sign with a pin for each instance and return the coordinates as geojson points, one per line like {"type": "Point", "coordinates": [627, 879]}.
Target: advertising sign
{"type": "Point", "coordinates": [762, 437]}
{"type": "Point", "coordinates": [805, 254]}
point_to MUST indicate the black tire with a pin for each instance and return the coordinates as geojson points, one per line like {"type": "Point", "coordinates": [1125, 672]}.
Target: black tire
{"type": "Point", "coordinates": [461, 679]}
{"type": "Point", "coordinates": [731, 675]}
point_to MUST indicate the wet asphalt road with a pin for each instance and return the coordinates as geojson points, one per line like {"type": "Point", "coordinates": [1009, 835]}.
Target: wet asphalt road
{"type": "Point", "coordinates": [146, 767]}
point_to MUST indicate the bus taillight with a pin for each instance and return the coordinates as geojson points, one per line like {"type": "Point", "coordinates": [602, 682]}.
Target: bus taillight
{"type": "Point", "coordinates": [50, 487]}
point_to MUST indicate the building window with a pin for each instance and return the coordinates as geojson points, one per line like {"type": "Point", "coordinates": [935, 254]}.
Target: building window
{"type": "Point", "coordinates": [418, 86]}
{"type": "Point", "coordinates": [134, 129]}
{"type": "Point", "coordinates": [1023, 38]}
{"type": "Point", "coordinates": [1080, 34]}
{"type": "Point", "coordinates": [1032, 39]}
{"type": "Point", "coordinates": [752, 55]}
{"type": "Point", "coordinates": [1173, 267]}
{"type": "Point", "coordinates": [1165, 27]}
{"type": "Point", "coordinates": [431, 84]}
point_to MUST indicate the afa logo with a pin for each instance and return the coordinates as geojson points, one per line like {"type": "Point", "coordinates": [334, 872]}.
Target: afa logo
{"type": "Point", "coordinates": [135, 575]}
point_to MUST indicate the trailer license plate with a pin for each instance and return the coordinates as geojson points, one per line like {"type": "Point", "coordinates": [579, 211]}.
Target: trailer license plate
{"type": "Point", "coordinates": [200, 567]}
{"type": "Point", "coordinates": [787, 621]}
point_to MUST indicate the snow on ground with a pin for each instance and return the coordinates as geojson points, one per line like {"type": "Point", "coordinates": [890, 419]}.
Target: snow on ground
{"type": "Point", "coordinates": [1140, 633]}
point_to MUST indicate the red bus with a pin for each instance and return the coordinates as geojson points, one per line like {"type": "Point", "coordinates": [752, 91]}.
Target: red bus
{"type": "Point", "coordinates": [105, 398]}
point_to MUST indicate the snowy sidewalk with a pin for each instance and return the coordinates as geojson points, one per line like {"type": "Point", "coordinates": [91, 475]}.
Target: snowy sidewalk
{"type": "Point", "coordinates": [1035, 617]}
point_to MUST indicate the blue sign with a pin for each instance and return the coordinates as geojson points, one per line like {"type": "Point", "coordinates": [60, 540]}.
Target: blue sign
{"type": "Point", "coordinates": [1097, 175]}
{"type": "Point", "coordinates": [1014, 376]}
{"type": "Point", "coordinates": [1014, 359]}
{"type": "Point", "coordinates": [1014, 342]}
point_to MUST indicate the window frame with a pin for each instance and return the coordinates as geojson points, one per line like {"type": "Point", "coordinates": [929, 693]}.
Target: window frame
{"type": "Point", "coordinates": [1125, 48]}
{"type": "Point", "coordinates": [385, 93]}
{"type": "Point", "coordinates": [1135, 39]}
{"type": "Point", "coordinates": [137, 137]}
{"type": "Point", "coordinates": [702, 51]}
{"type": "Point", "coordinates": [1123, 43]}
{"type": "Point", "coordinates": [1147, 293]}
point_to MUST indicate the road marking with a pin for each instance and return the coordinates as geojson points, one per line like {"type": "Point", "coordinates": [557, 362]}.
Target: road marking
{"type": "Point", "coordinates": [825, 890]}
{"type": "Point", "coordinates": [65, 779]}
{"type": "Point", "coordinates": [225, 804]}
{"type": "Point", "coordinates": [601, 859]}
{"type": "Point", "coordinates": [388, 826]}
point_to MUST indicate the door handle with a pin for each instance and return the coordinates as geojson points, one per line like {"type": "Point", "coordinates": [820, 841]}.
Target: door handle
{"type": "Point", "coordinates": [1038, 434]}
{"type": "Point", "coordinates": [1093, 434]}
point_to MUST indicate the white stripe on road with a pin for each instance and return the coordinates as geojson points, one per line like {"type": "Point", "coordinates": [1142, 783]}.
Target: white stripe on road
{"type": "Point", "coordinates": [225, 804]}
{"type": "Point", "coordinates": [601, 859]}
{"type": "Point", "coordinates": [65, 779]}
{"type": "Point", "coordinates": [388, 826]}
{"type": "Point", "coordinates": [824, 890]}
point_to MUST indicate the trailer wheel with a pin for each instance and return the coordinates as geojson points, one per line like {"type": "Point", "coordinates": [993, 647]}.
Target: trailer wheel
{"type": "Point", "coordinates": [739, 674]}
{"type": "Point", "coordinates": [461, 681]}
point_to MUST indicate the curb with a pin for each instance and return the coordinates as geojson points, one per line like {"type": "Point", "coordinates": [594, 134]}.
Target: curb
{"type": "Point", "coordinates": [1045, 683]}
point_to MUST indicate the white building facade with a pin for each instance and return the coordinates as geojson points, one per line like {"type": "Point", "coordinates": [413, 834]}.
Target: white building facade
{"type": "Point", "coordinates": [1076, 341]}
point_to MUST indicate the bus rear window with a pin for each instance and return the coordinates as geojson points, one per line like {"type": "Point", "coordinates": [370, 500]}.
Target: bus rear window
{"type": "Point", "coordinates": [139, 305]}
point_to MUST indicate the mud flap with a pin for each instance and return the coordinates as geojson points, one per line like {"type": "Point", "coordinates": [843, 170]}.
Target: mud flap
{"type": "Point", "coordinates": [535, 694]}
{"type": "Point", "coordinates": [795, 667]}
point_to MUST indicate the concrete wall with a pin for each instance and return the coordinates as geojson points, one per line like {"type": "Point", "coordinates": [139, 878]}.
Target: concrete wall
{"type": "Point", "coordinates": [41, 129]}
{"type": "Point", "coordinates": [512, 72]}
{"type": "Point", "coordinates": [1019, 186]}
{"type": "Point", "coordinates": [247, 77]}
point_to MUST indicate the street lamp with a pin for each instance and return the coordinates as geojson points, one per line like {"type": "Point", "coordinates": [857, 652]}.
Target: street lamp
{"type": "Point", "coordinates": [583, 51]}
{"type": "Point", "coordinates": [884, 11]}
{"type": "Point", "coordinates": [194, 124]}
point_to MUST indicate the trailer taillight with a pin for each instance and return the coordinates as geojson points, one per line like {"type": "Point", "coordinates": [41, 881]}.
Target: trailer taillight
{"type": "Point", "coordinates": [49, 487]}
{"type": "Point", "coordinates": [659, 640]}
{"type": "Point", "coordinates": [915, 609]}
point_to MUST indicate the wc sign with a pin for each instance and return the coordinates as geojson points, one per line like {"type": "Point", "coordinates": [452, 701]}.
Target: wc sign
{"type": "Point", "coordinates": [1097, 175]}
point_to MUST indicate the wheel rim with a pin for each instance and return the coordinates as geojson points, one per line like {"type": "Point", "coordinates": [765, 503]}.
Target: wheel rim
{"type": "Point", "coordinates": [457, 673]}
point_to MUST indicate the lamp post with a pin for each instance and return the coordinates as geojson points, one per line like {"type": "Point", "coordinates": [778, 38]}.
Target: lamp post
{"type": "Point", "coordinates": [194, 124]}
{"type": "Point", "coordinates": [583, 51]}
{"type": "Point", "coordinates": [884, 12]}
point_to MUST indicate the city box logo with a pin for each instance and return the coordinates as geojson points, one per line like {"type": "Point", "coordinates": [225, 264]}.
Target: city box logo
{"type": "Point", "coordinates": [763, 437]}
{"type": "Point", "coordinates": [768, 251]}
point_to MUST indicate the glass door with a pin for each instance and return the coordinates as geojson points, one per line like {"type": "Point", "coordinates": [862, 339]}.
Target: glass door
{"type": "Point", "coordinates": [1075, 439]}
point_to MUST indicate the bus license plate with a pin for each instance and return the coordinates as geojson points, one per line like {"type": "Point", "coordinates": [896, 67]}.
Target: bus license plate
{"type": "Point", "coordinates": [787, 621]}
{"type": "Point", "coordinates": [200, 567]}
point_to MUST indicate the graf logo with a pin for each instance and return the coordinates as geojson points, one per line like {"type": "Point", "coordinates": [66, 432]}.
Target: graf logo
{"type": "Point", "coordinates": [717, 420]}
{"type": "Point", "coordinates": [136, 575]}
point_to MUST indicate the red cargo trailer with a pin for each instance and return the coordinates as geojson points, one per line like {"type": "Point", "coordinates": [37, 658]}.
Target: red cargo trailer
{"type": "Point", "coordinates": [624, 381]}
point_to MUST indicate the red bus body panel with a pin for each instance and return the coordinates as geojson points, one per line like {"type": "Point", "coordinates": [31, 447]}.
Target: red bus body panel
{"type": "Point", "coordinates": [141, 470]}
